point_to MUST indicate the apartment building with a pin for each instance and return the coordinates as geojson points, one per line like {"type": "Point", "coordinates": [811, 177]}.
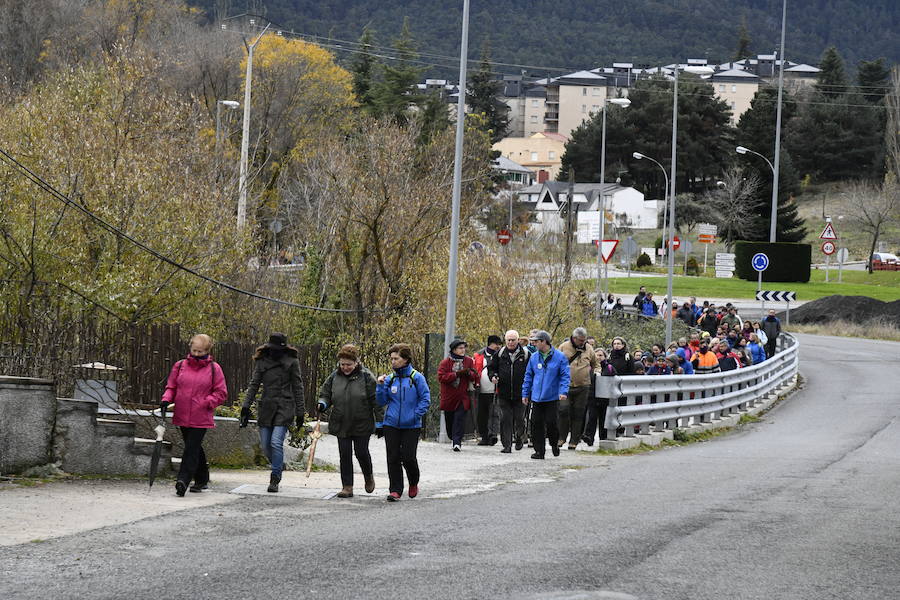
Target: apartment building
{"type": "Point", "coordinates": [736, 88]}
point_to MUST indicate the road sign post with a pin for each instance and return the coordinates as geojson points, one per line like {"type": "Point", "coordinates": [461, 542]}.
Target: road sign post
{"type": "Point", "coordinates": [778, 296]}
{"type": "Point", "coordinates": [828, 247]}
{"type": "Point", "coordinates": [760, 262]}
{"type": "Point", "coordinates": [842, 255]}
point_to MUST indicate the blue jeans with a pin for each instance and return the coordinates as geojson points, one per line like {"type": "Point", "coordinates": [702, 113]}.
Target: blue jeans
{"type": "Point", "coordinates": [271, 440]}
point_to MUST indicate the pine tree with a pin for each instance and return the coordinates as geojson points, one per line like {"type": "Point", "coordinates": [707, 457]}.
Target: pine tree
{"type": "Point", "coordinates": [433, 117]}
{"type": "Point", "coordinates": [363, 69]}
{"type": "Point", "coordinates": [395, 93]}
{"type": "Point", "coordinates": [484, 97]}
{"type": "Point", "coordinates": [743, 49]}
{"type": "Point", "coordinates": [836, 139]}
{"type": "Point", "coordinates": [872, 77]}
{"type": "Point", "coordinates": [832, 80]}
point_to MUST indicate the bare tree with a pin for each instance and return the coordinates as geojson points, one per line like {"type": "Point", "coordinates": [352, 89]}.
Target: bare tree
{"type": "Point", "coordinates": [734, 204]}
{"type": "Point", "coordinates": [872, 208]}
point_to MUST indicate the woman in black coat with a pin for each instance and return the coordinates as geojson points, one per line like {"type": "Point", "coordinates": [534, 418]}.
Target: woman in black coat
{"type": "Point", "coordinates": [277, 368]}
{"type": "Point", "coordinates": [349, 393]}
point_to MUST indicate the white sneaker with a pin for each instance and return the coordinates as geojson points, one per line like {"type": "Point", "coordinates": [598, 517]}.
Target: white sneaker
{"type": "Point", "coordinates": [456, 447]}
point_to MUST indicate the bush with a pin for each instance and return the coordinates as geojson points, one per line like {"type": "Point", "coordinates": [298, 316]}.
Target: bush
{"type": "Point", "coordinates": [643, 260]}
{"type": "Point", "coordinates": [693, 268]}
{"type": "Point", "coordinates": [787, 261]}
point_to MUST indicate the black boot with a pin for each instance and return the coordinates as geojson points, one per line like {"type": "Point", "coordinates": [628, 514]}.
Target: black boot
{"type": "Point", "coordinates": [274, 480]}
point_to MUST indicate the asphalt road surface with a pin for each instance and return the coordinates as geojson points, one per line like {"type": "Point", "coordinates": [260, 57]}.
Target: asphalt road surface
{"type": "Point", "coordinates": [803, 504]}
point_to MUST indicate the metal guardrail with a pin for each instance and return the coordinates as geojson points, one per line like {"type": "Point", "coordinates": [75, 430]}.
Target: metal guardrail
{"type": "Point", "coordinates": [669, 401]}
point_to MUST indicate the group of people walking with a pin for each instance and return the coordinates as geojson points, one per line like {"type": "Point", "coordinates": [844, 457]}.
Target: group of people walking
{"type": "Point", "coordinates": [392, 406]}
{"type": "Point", "coordinates": [523, 389]}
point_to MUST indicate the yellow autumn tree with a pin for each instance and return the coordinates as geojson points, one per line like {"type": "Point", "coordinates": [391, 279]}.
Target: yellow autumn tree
{"type": "Point", "coordinates": [299, 97]}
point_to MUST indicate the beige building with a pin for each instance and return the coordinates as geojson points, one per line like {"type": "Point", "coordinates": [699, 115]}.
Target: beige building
{"type": "Point", "coordinates": [572, 99]}
{"type": "Point", "coordinates": [540, 152]}
{"type": "Point", "coordinates": [736, 87]}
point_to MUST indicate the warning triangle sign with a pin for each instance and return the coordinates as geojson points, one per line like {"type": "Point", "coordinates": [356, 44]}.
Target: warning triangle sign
{"type": "Point", "coordinates": [607, 249]}
{"type": "Point", "coordinates": [828, 233]}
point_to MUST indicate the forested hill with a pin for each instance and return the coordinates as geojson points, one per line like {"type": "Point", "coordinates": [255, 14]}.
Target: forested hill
{"type": "Point", "coordinates": [575, 34]}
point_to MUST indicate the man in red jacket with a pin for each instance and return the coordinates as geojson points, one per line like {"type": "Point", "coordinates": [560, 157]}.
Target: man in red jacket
{"type": "Point", "coordinates": [456, 373]}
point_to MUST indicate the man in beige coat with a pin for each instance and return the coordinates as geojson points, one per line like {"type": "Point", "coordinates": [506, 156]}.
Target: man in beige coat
{"type": "Point", "coordinates": [582, 363]}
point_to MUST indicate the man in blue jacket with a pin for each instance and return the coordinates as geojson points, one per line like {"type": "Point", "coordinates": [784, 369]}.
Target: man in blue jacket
{"type": "Point", "coordinates": [546, 383]}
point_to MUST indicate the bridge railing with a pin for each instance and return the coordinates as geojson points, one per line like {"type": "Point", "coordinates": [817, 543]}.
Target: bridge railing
{"type": "Point", "coordinates": [664, 402]}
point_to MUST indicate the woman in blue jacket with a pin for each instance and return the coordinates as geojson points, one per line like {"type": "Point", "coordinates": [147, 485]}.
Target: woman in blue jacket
{"type": "Point", "coordinates": [756, 350]}
{"type": "Point", "coordinates": [406, 398]}
{"type": "Point", "coordinates": [546, 383]}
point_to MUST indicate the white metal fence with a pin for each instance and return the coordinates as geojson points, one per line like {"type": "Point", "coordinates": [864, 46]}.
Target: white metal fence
{"type": "Point", "coordinates": [664, 402]}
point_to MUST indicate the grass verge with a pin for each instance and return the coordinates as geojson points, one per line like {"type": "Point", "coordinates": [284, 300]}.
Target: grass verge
{"type": "Point", "coordinates": [882, 285]}
{"type": "Point", "coordinates": [871, 330]}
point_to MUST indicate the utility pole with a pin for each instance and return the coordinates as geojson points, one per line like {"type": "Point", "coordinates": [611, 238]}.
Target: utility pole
{"type": "Point", "coordinates": [570, 211]}
{"type": "Point", "coordinates": [245, 135]}
{"type": "Point", "coordinates": [450, 317]}
{"type": "Point", "coordinates": [779, 56]}
{"type": "Point", "coordinates": [670, 251]}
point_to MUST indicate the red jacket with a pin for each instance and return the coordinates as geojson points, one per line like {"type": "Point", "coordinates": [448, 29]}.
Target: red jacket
{"type": "Point", "coordinates": [196, 387]}
{"type": "Point", "coordinates": [452, 397]}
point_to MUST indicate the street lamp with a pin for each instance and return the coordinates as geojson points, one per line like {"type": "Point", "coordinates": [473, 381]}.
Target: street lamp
{"type": "Point", "coordinates": [640, 156]}
{"type": "Point", "coordinates": [231, 104]}
{"type": "Point", "coordinates": [601, 285]}
{"type": "Point", "coordinates": [744, 150]}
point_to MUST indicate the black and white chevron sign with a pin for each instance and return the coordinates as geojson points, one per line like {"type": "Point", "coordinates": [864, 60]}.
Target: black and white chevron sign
{"type": "Point", "coordinates": [772, 296]}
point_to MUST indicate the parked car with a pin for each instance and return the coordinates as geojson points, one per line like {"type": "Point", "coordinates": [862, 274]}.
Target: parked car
{"type": "Point", "coordinates": [885, 261]}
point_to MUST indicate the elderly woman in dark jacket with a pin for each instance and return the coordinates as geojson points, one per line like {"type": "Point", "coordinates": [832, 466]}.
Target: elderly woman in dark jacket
{"type": "Point", "coordinates": [277, 368]}
{"type": "Point", "coordinates": [349, 393]}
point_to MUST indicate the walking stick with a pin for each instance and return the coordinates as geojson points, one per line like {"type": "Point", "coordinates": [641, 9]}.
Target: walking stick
{"type": "Point", "coordinates": [315, 435]}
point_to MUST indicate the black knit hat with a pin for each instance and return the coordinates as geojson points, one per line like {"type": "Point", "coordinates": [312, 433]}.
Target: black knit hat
{"type": "Point", "coordinates": [277, 341]}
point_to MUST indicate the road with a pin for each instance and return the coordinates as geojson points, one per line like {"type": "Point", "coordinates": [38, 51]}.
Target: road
{"type": "Point", "coordinates": [802, 505]}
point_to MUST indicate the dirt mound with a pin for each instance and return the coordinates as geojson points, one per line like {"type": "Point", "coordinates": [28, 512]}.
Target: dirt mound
{"type": "Point", "coordinates": [855, 309]}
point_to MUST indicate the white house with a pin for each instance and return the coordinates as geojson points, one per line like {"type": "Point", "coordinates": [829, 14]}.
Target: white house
{"type": "Point", "coordinates": [624, 207]}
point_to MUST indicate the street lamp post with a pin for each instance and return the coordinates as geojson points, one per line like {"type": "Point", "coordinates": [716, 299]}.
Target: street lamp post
{"type": "Point", "coordinates": [219, 104]}
{"type": "Point", "coordinates": [774, 168]}
{"type": "Point", "coordinates": [450, 316]}
{"type": "Point", "coordinates": [780, 56]}
{"type": "Point", "coordinates": [601, 284]}
{"type": "Point", "coordinates": [640, 156]}
{"type": "Point", "coordinates": [245, 135]}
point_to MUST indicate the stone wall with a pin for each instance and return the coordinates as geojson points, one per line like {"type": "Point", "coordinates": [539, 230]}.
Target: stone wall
{"type": "Point", "coordinates": [27, 415]}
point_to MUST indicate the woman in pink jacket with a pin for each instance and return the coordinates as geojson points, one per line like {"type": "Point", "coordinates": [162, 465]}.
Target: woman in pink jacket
{"type": "Point", "coordinates": [197, 386]}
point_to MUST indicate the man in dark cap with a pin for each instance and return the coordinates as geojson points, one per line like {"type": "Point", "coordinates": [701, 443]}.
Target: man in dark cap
{"type": "Point", "coordinates": [546, 383]}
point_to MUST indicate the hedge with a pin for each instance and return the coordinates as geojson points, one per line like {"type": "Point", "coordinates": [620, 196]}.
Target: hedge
{"type": "Point", "coordinates": [787, 261]}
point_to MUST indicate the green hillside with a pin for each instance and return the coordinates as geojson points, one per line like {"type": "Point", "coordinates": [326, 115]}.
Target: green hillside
{"type": "Point", "coordinates": [577, 34]}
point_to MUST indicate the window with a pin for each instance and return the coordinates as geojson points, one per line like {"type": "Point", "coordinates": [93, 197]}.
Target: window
{"type": "Point", "coordinates": [595, 108]}
{"type": "Point", "coordinates": [534, 156]}
{"type": "Point", "coordinates": [535, 102]}
{"type": "Point", "coordinates": [584, 91]}
{"type": "Point", "coordinates": [732, 106]}
{"type": "Point", "coordinates": [734, 88]}
{"type": "Point", "coordinates": [596, 91]}
{"type": "Point", "coordinates": [721, 87]}
{"type": "Point", "coordinates": [551, 155]}
{"type": "Point", "coordinates": [534, 119]}
{"type": "Point", "coordinates": [584, 108]}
